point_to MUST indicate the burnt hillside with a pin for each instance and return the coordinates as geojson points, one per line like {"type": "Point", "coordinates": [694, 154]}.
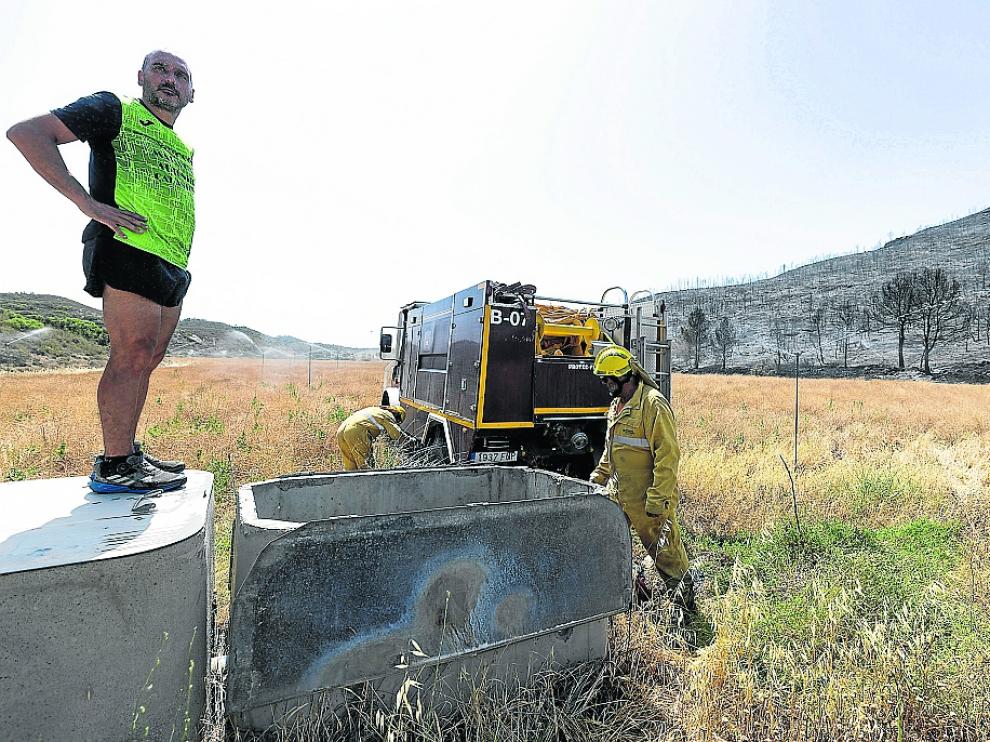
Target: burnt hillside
{"type": "Point", "coordinates": [774, 317]}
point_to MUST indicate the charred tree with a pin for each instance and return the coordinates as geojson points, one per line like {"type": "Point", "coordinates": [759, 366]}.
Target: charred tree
{"type": "Point", "coordinates": [942, 314]}
{"type": "Point", "coordinates": [725, 339]}
{"type": "Point", "coordinates": [817, 323]}
{"type": "Point", "coordinates": [778, 330]}
{"type": "Point", "coordinates": [845, 316]}
{"type": "Point", "coordinates": [866, 321]}
{"type": "Point", "coordinates": [896, 306]}
{"type": "Point", "coordinates": [695, 333]}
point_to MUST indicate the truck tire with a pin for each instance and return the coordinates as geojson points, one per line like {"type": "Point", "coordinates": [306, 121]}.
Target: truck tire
{"type": "Point", "coordinates": [436, 447]}
{"type": "Point", "coordinates": [580, 467]}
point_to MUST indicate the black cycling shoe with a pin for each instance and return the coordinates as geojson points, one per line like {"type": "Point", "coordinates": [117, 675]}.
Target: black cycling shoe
{"type": "Point", "coordinates": [172, 466]}
{"type": "Point", "coordinates": [133, 475]}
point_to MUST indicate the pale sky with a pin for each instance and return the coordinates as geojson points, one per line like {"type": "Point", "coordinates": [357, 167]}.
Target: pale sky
{"type": "Point", "coordinates": [354, 156]}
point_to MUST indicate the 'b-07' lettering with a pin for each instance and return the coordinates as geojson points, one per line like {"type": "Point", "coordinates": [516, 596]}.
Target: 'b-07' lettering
{"type": "Point", "coordinates": [514, 318]}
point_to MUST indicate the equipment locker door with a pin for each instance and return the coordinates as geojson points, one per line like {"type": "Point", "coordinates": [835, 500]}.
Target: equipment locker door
{"type": "Point", "coordinates": [464, 371]}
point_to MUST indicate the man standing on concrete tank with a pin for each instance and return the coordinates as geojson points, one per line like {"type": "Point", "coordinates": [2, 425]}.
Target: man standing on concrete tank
{"type": "Point", "coordinates": [136, 248]}
{"type": "Point", "coordinates": [640, 459]}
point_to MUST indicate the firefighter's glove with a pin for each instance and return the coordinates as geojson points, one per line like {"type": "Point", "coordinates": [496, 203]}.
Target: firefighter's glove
{"type": "Point", "coordinates": [658, 509]}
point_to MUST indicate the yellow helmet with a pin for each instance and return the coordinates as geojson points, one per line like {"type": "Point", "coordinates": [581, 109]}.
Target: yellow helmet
{"type": "Point", "coordinates": [613, 361]}
{"type": "Point", "coordinates": [399, 412]}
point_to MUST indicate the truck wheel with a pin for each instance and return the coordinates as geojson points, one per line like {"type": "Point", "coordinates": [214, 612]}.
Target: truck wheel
{"type": "Point", "coordinates": [436, 447]}
{"type": "Point", "coordinates": [580, 467]}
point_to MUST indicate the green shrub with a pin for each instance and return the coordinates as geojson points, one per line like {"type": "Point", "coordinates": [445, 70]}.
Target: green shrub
{"type": "Point", "coordinates": [223, 476]}
{"type": "Point", "coordinates": [873, 487]}
{"type": "Point", "coordinates": [20, 322]}
{"type": "Point", "coordinates": [83, 327]}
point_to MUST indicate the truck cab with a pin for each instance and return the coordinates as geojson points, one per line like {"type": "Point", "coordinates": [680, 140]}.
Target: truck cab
{"type": "Point", "coordinates": [497, 374]}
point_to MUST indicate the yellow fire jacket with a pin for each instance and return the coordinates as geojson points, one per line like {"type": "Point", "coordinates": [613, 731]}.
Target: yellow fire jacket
{"type": "Point", "coordinates": [640, 460]}
{"type": "Point", "coordinates": [372, 420]}
{"type": "Point", "coordinates": [641, 452]}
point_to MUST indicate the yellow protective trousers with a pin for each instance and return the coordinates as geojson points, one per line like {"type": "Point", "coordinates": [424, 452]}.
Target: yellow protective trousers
{"type": "Point", "coordinates": [355, 447]}
{"type": "Point", "coordinates": [639, 465]}
{"type": "Point", "coordinates": [661, 537]}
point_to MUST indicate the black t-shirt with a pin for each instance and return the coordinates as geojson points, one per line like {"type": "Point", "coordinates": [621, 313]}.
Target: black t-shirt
{"type": "Point", "coordinates": [95, 119]}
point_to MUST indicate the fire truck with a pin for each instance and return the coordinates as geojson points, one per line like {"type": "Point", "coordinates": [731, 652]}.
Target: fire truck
{"type": "Point", "coordinates": [497, 374]}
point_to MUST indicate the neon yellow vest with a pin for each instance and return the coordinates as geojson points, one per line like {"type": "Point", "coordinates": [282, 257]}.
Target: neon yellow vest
{"type": "Point", "coordinates": [155, 179]}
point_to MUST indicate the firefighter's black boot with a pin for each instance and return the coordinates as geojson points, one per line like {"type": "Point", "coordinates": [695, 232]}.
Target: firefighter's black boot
{"type": "Point", "coordinates": [680, 591]}
{"type": "Point", "coordinates": [641, 587]}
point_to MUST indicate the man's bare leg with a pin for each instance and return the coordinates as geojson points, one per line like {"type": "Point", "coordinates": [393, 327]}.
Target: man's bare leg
{"type": "Point", "coordinates": [134, 325]}
{"type": "Point", "coordinates": [170, 318]}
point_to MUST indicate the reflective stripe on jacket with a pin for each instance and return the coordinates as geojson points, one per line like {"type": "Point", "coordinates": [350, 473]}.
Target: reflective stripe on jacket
{"type": "Point", "coordinates": [641, 452]}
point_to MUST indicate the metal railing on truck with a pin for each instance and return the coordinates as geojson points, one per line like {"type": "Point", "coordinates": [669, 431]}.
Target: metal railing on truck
{"type": "Point", "coordinates": [638, 324]}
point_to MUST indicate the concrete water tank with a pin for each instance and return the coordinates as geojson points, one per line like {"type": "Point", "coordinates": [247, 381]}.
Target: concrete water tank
{"type": "Point", "coordinates": [440, 574]}
{"type": "Point", "coordinates": [105, 611]}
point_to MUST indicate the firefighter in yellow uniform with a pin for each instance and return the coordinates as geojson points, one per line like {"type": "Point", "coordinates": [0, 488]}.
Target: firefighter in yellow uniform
{"type": "Point", "coordinates": [640, 465]}
{"type": "Point", "coordinates": [356, 434]}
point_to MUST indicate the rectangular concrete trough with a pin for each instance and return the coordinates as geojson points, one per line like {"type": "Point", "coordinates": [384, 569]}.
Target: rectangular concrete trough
{"type": "Point", "coordinates": [441, 574]}
{"type": "Point", "coordinates": [105, 611]}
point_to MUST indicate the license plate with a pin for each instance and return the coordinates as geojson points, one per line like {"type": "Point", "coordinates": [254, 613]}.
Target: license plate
{"type": "Point", "coordinates": [495, 457]}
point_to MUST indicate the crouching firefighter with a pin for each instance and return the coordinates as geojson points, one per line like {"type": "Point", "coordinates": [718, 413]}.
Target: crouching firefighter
{"type": "Point", "coordinates": [357, 433]}
{"type": "Point", "coordinates": [640, 466]}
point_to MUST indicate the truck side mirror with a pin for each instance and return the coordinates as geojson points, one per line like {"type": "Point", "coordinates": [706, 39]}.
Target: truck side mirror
{"type": "Point", "coordinates": [389, 343]}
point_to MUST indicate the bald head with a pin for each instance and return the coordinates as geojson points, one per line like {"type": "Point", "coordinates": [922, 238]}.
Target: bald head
{"type": "Point", "coordinates": [162, 54]}
{"type": "Point", "coordinates": [166, 84]}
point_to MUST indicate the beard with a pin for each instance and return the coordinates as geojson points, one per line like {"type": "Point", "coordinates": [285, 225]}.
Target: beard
{"type": "Point", "coordinates": [614, 389]}
{"type": "Point", "coordinates": [165, 102]}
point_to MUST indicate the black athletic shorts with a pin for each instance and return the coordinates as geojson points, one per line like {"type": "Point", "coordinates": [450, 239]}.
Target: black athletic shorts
{"type": "Point", "coordinates": [107, 262]}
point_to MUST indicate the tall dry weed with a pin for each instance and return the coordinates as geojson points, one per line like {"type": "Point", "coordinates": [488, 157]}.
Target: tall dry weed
{"type": "Point", "coordinates": [877, 452]}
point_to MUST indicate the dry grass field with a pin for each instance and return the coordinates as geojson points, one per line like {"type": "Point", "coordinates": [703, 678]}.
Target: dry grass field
{"type": "Point", "coordinates": [871, 621]}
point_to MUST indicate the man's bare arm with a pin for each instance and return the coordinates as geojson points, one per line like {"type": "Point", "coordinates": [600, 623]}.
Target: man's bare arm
{"type": "Point", "coordinates": [38, 139]}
